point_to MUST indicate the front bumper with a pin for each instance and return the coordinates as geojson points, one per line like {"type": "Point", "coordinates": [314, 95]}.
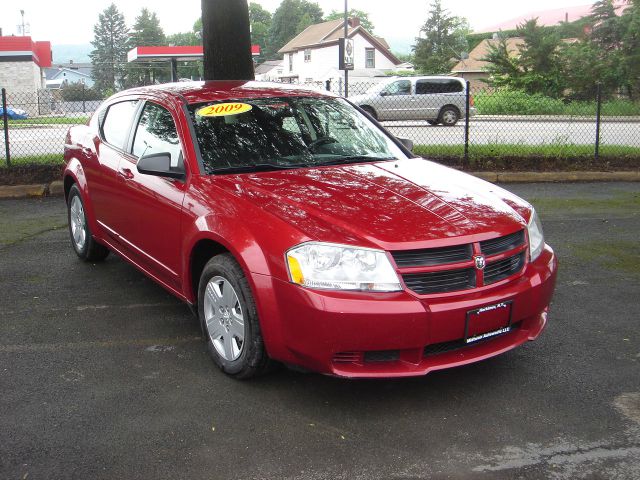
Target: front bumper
{"type": "Point", "coordinates": [356, 334]}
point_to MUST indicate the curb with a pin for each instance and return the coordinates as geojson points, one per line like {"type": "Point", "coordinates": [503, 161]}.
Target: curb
{"type": "Point", "coordinates": [551, 177]}
{"type": "Point", "coordinates": [56, 189]}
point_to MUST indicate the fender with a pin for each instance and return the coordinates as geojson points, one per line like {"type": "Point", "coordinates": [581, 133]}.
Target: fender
{"type": "Point", "coordinates": [75, 171]}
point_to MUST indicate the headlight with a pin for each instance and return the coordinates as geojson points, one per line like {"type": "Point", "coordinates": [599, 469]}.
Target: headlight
{"type": "Point", "coordinates": [536, 238]}
{"type": "Point", "coordinates": [340, 267]}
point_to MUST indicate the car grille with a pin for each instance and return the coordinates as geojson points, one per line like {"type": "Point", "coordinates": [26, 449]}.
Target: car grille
{"type": "Point", "coordinates": [437, 348]}
{"type": "Point", "coordinates": [445, 281]}
{"type": "Point", "coordinates": [496, 271]}
{"type": "Point", "coordinates": [433, 256]}
{"type": "Point", "coordinates": [504, 256]}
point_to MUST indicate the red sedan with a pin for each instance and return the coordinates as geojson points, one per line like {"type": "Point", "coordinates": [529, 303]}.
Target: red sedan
{"type": "Point", "coordinates": [300, 231]}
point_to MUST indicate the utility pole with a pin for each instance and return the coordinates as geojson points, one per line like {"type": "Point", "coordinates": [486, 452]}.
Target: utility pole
{"type": "Point", "coordinates": [346, 33]}
{"type": "Point", "coordinates": [226, 40]}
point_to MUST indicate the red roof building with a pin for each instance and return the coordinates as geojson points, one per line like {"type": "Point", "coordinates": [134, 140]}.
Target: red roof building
{"type": "Point", "coordinates": [22, 64]}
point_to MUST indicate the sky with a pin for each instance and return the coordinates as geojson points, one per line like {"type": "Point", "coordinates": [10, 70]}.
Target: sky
{"type": "Point", "coordinates": [71, 21]}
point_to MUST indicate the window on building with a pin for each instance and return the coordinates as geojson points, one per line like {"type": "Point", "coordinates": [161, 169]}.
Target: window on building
{"type": "Point", "coordinates": [307, 55]}
{"type": "Point", "coordinates": [370, 57]}
{"type": "Point", "coordinates": [291, 62]}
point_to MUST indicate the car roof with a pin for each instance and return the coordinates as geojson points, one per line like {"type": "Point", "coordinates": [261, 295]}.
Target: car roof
{"type": "Point", "coordinates": [217, 90]}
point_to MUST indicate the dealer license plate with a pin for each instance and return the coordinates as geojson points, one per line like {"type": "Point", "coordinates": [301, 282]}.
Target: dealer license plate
{"type": "Point", "coordinates": [487, 322]}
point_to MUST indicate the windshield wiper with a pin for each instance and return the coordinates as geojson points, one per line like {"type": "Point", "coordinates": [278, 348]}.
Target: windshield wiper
{"type": "Point", "coordinates": [257, 167]}
{"type": "Point", "coordinates": [353, 159]}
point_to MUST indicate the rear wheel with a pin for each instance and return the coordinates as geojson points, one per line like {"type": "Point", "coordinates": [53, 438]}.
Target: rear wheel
{"type": "Point", "coordinates": [230, 319]}
{"type": "Point", "coordinates": [370, 111]}
{"type": "Point", "coordinates": [83, 242]}
{"type": "Point", "coordinates": [449, 116]}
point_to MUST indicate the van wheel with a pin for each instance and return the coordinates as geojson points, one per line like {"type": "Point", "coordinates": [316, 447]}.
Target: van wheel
{"type": "Point", "coordinates": [370, 111]}
{"type": "Point", "coordinates": [83, 242]}
{"type": "Point", "coordinates": [230, 319]}
{"type": "Point", "coordinates": [449, 116]}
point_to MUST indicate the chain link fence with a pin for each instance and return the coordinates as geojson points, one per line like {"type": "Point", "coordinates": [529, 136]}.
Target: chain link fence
{"type": "Point", "coordinates": [444, 118]}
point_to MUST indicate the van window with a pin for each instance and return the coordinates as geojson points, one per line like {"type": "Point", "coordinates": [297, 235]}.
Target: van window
{"type": "Point", "coordinates": [432, 86]}
{"type": "Point", "coordinates": [400, 87]}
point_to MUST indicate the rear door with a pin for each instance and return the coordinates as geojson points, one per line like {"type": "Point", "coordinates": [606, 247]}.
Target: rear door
{"type": "Point", "coordinates": [154, 204]}
{"type": "Point", "coordinates": [103, 175]}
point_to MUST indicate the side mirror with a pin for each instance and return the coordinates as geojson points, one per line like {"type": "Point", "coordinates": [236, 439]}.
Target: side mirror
{"type": "Point", "coordinates": [408, 144]}
{"type": "Point", "coordinates": [158, 164]}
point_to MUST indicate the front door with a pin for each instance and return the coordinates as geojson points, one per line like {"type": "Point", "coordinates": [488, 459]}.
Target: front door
{"type": "Point", "coordinates": [154, 204]}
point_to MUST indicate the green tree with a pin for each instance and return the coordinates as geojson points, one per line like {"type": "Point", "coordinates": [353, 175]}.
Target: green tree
{"type": "Point", "coordinates": [146, 32]}
{"type": "Point", "coordinates": [109, 56]}
{"type": "Point", "coordinates": [289, 19]}
{"type": "Point", "coordinates": [537, 66]}
{"type": "Point", "coordinates": [365, 21]}
{"type": "Point", "coordinates": [260, 20]}
{"type": "Point", "coordinates": [443, 41]}
{"type": "Point", "coordinates": [630, 63]}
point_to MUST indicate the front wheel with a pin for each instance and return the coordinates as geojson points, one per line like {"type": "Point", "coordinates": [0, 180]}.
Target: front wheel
{"type": "Point", "coordinates": [230, 319]}
{"type": "Point", "coordinates": [371, 112]}
{"type": "Point", "coordinates": [83, 242]}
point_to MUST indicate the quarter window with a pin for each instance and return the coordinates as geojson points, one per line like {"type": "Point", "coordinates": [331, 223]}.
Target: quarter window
{"type": "Point", "coordinates": [425, 87]}
{"type": "Point", "coordinates": [156, 133]}
{"type": "Point", "coordinates": [370, 57]}
{"type": "Point", "coordinates": [117, 122]}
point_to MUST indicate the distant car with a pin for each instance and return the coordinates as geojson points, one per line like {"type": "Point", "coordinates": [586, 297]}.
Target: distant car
{"type": "Point", "coordinates": [14, 113]}
{"type": "Point", "coordinates": [437, 99]}
{"type": "Point", "coordinates": [301, 231]}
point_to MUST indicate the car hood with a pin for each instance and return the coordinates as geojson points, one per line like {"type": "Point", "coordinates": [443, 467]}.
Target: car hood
{"type": "Point", "coordinates": [402, 204]}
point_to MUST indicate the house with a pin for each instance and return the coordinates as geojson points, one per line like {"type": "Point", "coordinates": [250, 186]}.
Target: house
{"type": "Point", "coordinates": [473, 68]}
{"type": "Point", "coordinates": [22, 64]}
{"type": "Point", "coordinates": [313, 55]}
{"type": "Point", "coordinates": [270, 71]}
{"type": "Point", "coordinates": [61, 74]}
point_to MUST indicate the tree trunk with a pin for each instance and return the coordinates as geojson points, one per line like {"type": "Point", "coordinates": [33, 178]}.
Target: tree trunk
{"type": "Point", "coordinates": [226, 40]}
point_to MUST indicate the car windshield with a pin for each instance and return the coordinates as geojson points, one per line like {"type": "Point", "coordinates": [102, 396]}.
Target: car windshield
{"type": "Point", "coordinates": [286, 132]}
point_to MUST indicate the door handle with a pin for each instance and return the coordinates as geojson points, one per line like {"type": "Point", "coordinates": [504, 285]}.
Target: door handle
{"type": "Point", "coordinates": [125, 173]}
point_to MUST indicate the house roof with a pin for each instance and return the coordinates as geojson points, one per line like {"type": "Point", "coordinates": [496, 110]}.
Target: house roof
{"type": "Point", "coordinates": [268, 66]}
{"type": "Point", "coordinates": [475, 63]}
{"type": "Point", "coordinates": [329, 33]}
{"type": "Point", "coordinates": [552, 16]}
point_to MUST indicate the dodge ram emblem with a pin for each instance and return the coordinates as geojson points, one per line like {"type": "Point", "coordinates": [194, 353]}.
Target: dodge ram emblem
{"type": "Point", "coordinates": [480, 263]}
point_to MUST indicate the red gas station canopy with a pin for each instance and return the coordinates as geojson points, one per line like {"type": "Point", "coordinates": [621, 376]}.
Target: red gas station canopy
{"type": "Point", "coordinates": [179, 53]}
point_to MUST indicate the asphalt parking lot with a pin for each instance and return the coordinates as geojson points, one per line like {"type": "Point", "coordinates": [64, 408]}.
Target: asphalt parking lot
{"type": "Point", "coordinates": [104, 375]}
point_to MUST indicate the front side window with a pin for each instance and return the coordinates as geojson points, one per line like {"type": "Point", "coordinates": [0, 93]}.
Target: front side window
{"type": "Point", "coordinates": [117, 122]}
{"type": "Point", "coordinates": [400, 87]}
{"type": "Point", "coordinates": [286, 132]}
{"type": "Point", "coordinates": [370, 57]}
{"type": "Point", "coordinates": [156, 133]}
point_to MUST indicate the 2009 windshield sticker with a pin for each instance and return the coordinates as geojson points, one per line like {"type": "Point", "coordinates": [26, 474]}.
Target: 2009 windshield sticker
{"type": "Point", "coordinates": [223, 109]}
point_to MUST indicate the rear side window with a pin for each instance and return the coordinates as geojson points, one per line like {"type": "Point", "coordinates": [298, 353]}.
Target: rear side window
{"type": "Point", "coordinates": [156, 133]}
{"type": "Point", "coordinates": [426, 87]}
{"type": "Point", "coordinates": [117, 122]}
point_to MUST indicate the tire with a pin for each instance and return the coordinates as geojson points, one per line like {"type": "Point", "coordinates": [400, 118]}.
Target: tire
{"type": "Point", "coordinates": [82, 240]}
{"type": "Point", "coordinates": [432, 122]}
{"type": "Point", "coordinates": [230, 320]}
{"type": "Point", "coordinates": [449, 116]}
{"type": "Point", "coordinates": [370, 111]}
